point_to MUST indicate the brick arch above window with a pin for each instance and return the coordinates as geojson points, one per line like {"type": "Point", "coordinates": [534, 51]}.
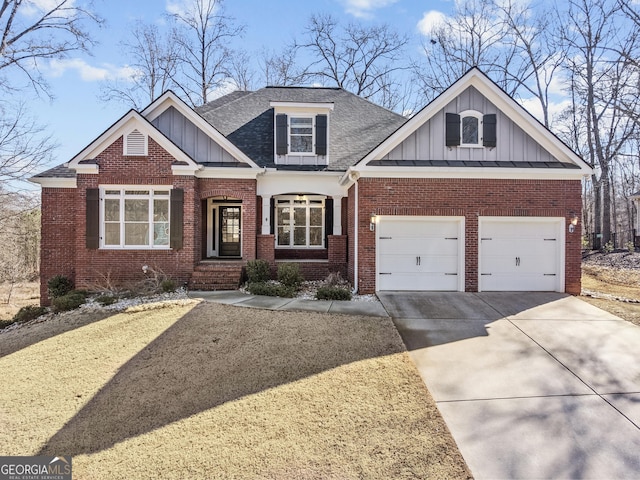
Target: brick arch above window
{"type": "Point", "coordinates": [244, 196]}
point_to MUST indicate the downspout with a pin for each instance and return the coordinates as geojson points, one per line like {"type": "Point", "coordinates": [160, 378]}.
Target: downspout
{"type": "Point", "coordinates": [353, 176]}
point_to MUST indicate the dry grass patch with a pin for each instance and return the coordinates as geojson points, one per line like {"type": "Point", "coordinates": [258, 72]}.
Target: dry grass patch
{"type": "Point", "coordinates": [605, 287]}
{"type": "Point", "coordinates": [215, 391]}
{"type": "Point", "coordinates": [20, 295]}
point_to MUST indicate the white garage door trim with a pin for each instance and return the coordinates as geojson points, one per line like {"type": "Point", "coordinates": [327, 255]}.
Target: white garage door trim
{"type": "Point", "coordinates": [558, 222]}
{"type": "Point", "coordinates": [459, 223]}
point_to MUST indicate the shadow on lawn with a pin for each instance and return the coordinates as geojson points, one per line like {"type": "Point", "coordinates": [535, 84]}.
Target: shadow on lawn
{"type": "Point", "coordinates": [212, 355]}
{"type": "Point", "coordinates": [23, 337]}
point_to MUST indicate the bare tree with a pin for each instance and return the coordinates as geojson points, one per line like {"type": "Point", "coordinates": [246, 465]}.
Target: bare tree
{"type": "Point", "coordinates": [34, 31]}
{"type": "Point", "coordinates": [282, 69]}
{"type": "Point", "coordinates": [538, 50]}
{"type": "Point", "coordinates": [24, 146]}
{"type": "Point", "coordinates": [241, 70]}
{"type": "Point", "coordinates": [362, 60]}
{"type": "Point", "coordinates": [475, 35]}
{"type": "Point", "coordinates": [601, 130]}
{"type": "Point", "coordinates": [152, 60]}
{"type": "Point", "coordinates": [202, 35]}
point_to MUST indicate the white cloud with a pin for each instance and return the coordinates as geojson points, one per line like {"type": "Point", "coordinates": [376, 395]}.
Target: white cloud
{"type": "Point", "coordinates": [31, 8]}
{"type": "Point", "coordinates": [532, 105]}
{"type": "Point", "coordinates": [184, 8]}
{"type": "Point", "coordinates": [226, 86]}
{"type": "Point", "coordinates": [365, 8]}
{"type": "Point", "coordinates": [89, 73]}
{"type": "Point", "coordinates": [430, 20]}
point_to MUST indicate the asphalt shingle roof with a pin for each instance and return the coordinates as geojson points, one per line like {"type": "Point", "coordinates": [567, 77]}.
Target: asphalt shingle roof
{"type": "Point", "coordinates": [356, 126]}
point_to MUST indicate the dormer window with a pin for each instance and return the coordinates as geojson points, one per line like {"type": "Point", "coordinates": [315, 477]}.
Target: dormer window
{"type": "Point", "coordinates": [301, 133]}
{"type": "Point", "coordinates": [470, 129]}
{"type": "Point", "coordinates": [135, 144]}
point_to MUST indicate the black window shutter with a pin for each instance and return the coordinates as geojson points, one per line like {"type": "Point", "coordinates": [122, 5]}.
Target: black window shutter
{"type": "Point", "coordinates": [177, 217]}
{"type": "Point", "coordinates": [489, 131]}
{"type": "Point", "coordinates": [321, 134]}
{"type": "Point", "coordinates": [328, 216]}
{"type": "Point", "coordinates": [453, 129]}
{"type": "Point", "coordinates": [272, 215]}
{"type": "Point", "coordinates": [93, 218]}
{"type": "Point", "coordinates": [281, 134]}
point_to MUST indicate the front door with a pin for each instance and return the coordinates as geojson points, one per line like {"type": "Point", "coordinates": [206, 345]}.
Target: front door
{"type": "Point", "coordinates": [229, 231]}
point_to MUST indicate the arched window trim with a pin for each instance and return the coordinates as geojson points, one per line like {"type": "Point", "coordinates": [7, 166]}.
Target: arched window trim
{"type": "Point", "coordinates": [477, 115]}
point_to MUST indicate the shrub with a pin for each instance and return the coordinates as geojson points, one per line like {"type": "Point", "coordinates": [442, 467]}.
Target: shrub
{"type": "Point", "coordinates": [333, 293]}
{"type": "Point", "coordinates": [105, 300]}
{"type": "Point", "coordinates": [258, 271]}
{"type": "Point", "coordinates": [608, 247]}
{"type": "Point", "coordinates": [334, 279]}
{"type": "Point", "coordinates": [6, 323]}
{"type": "Point", "coordinates": [70, 301]}
{"type": "Point", "coordinates": [168, 285]}
{"type": "Point", "coordinates": [59, 286]}
{"type": "Point", "coordinates": [630, 246]}
{"type": "Point", "coordinates": [271, 289]}
{"type": "Point", "coordinates": [289, 275]}
{"type": "Point", "coordinates": [28, 313]}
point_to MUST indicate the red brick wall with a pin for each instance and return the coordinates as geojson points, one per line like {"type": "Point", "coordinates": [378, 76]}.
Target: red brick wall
{"type": "Point", "coordinates": [57, 252]}
{"type": "Point", "coordinates": [266, 248]}
{"type": "Point", "coordinates": [338, 254]}
{"type": "Point", "coordinates": [244, 189]}
{"type": "Point", "coordinates": [63, 222]}
{"type": "Point", "coordinates": [470, 198]}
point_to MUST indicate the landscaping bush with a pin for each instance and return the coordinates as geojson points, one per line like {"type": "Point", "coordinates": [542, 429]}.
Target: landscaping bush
{"type": "Point", "coordinates": [70, 301]}
{"type": "Point", "coordinates": [168, 285]}
{"type": "Point", "coordinates": [289, 275]}
{"type": "Point", "coordinates": [28, 313]}
{"type": "Point", "coordinates": [59, 286]}
{"type": "Point", "coordinates": [333, 293]}
{"type": "Point", "coordinates": [334, 279]}
{"type": "Point", "coordinates": [258, 271]}
{"type": "Point", "coordinates": [105, 300]}
{"type": "Point", "coordinates": [271, 289]}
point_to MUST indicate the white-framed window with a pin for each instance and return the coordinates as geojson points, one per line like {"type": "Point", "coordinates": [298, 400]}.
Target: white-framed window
{"type": "Point", "coordinates": [470, 129]}
{"type": "Point", "coordinates": [135, 217]}
{"type": "Point", "coordinates": [300, 222]}
{"type": "Point", "coordinates": [301, 135]}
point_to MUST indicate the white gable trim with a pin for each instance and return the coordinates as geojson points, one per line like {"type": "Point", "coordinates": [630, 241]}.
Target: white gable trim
{"type": "Point", "coordinates": [501, 100]}
{"type": "Point", "coordinates": [170, 99]}
{"type": "Point", "coordinates": [131, 121]}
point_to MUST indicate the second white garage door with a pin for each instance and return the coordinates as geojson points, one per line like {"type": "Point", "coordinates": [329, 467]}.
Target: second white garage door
{"type": "Point", "coordinates": [420, 253]}
{"type": "Point", "coordinates": [521, 254]}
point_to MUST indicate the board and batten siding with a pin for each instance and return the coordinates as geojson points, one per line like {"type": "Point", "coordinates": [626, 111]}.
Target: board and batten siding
{"type": "Point", "coordinates": [428, 141]}
{"type": "Point", "coordinates": [193, 141]}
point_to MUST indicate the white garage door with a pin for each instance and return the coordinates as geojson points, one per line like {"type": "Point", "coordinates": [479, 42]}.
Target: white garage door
{"type": "Point", "coordinates": [420, 253]}
{"type": "Point", "coordinates": [521, 254]}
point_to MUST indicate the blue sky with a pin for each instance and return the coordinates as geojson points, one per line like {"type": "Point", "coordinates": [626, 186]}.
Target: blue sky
{"type": "Point", "coordinates": [76, 116]}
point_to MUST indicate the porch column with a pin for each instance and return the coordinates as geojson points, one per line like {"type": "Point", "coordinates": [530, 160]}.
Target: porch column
{"type": "Point", "coordinates": [266, 215]}
{"type": "Point", "coordinates": [337, 215]}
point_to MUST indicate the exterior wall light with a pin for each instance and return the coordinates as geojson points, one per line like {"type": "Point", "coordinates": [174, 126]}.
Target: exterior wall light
{"type": "Point", "coordinates": [573, 222]}
{"type": "Point", "coordinates": [145, 269]}
{"type": "Point", "coordinates": [372, 222]}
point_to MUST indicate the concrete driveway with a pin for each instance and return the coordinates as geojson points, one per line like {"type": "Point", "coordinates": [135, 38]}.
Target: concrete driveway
{"type": "Point", "coordinates": [531, 385]}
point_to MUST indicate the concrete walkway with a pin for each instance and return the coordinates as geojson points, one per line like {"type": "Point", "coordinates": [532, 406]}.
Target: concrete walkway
{"type": "Point", "coordinates": [531, 385]}
{"type": "Point", "coordinates": [239, 299]}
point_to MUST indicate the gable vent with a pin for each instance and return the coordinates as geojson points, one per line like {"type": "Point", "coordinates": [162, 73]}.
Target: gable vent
{"type": "Point", "coordinates": [135, 144]}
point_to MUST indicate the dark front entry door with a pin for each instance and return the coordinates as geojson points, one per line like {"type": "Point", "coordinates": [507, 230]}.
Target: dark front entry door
{"type": "Point", "coordinates": [229, 231]}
